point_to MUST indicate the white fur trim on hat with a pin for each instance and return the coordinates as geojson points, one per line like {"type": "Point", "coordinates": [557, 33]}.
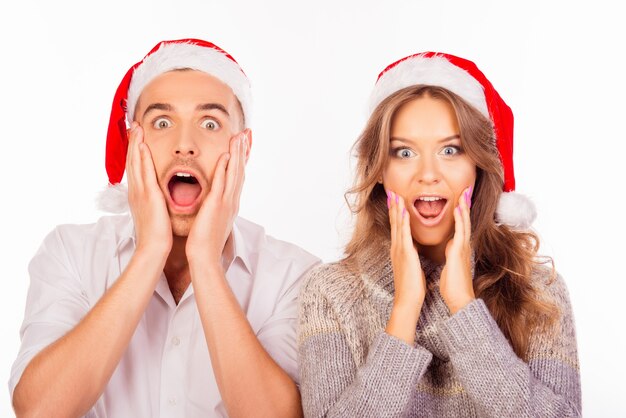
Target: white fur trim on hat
{"type": "Point", "coordinates": [173, 56]}
{"type": "Point", "coordinates": [516, 210]}
{"type": "Point", "coordinates": [113, 199]}
{"type": "Point", "coordinates": [435, 71]}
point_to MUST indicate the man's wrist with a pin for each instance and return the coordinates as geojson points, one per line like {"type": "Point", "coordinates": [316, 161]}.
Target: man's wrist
{"type": "Point", "coordinates": [156, 253]}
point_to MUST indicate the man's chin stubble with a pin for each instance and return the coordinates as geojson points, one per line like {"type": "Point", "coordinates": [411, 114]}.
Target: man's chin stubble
{"type": "Point", "coordinates": [181, 224]}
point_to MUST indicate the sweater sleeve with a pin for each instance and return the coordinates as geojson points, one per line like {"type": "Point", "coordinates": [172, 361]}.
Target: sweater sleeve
{"type": "Point", "coordinates": [331, 383]}
{"type": "Point", "coordinates": [500, 383]}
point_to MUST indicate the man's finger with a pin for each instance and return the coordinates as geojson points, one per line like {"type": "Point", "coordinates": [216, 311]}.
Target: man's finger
{"type": "Point", "coordinates": [219, 177]}
{"type": "Point", "coordinates": [233, 166]}
{"type": "Point", "coordinates": [147, 167]}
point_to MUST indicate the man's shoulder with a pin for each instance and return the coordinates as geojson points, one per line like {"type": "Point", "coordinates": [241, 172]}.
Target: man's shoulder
{"type": "Point", "coordinates": [108, 230]}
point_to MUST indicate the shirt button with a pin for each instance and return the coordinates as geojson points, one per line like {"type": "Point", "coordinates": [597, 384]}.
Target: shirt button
{"type": "Point", "coordinates": [172, 401]}
{"type": "Point", "coordinates": [176, 341]}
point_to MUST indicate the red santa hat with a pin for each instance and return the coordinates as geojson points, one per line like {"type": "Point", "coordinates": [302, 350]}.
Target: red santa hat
{"type": "Point", "coordinates": [463, 78]}
{"type": "Point", "coordinates": [194, 54]}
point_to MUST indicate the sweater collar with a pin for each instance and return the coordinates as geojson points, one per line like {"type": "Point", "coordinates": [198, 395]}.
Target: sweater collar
{"type": "Point", "coordinates": [375, 264]}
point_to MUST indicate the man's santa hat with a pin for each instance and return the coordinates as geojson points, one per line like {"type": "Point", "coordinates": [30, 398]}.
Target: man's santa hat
{"type": "Point", "coordinates": [194, 54]}
{"type": "Point", "coordinates": [463, 78]}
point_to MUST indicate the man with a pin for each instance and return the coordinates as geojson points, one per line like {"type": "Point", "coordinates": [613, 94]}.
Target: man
{"type": "Point", "coordinates": [181, 309]}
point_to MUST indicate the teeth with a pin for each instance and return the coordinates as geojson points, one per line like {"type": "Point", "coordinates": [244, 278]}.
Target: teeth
{"type": "Point", "coordinates": [430, 199]}
{"type": "Point", "coordinates": [183, 175]}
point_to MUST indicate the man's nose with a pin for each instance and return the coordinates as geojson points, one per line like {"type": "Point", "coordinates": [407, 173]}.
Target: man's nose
{"type": "Point", "coordinates": [186, 145]}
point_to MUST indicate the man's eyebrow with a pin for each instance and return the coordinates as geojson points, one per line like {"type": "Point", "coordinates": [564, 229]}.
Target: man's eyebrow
{"type": "Point", "coordinates": [158, 106]}
{"type": "Point", "coordinates": [212, 106]}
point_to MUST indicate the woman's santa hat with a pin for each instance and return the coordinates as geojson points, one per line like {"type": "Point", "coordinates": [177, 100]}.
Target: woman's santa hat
{"type": "Point", "coordinates": [463, 78]}
{"type": "Point", "coordinates": [194, 54]}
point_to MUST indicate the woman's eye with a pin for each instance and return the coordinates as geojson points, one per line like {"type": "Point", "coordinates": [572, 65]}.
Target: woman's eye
{"type": "Point", "coordinates": [451, 150]}
{"type": "Point", "coordinates": [404, 153]}
{"type": "Point", "coordinates": [161, 123]}
{"type": "Point", "coordinates": [210, 124]}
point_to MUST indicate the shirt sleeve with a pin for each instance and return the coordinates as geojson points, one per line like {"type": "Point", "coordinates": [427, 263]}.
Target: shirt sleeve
{"type": "Point", "coordinates": [55, 303]}
{"type": "Point", "coordinates": [278, 333]}
{"type": "Point", "coordinates": [499, 382]}
{"type": "Point", "coordinates": [333, 385]}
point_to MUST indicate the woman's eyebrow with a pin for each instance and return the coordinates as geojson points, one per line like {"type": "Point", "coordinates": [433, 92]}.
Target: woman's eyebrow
{"type": "Point", "coordinates": [408, 141]}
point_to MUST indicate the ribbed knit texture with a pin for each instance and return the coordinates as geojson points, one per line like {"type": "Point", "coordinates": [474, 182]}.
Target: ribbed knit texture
{"type": "Point", "coordinates": [460, 365]}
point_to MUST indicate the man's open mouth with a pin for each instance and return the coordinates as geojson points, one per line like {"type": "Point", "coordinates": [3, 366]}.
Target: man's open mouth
{"type": "Point", "coordinates": [184, 188]}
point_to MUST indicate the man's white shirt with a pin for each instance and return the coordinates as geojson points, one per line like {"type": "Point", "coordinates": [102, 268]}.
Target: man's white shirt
{"type": "Point", "coordinates": [166, 369]}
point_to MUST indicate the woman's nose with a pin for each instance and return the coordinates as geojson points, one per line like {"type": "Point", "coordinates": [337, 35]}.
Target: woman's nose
{"type": "Point", "coordinates": [428, 171]}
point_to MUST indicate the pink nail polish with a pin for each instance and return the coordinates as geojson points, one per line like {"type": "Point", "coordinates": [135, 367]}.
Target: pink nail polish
{"type": "Point", "coordinates": [388, 201]}
{"type": "Point", "coordinates": [397, 199]}
{"type": "Point", "coordinates": [467, 199]}
{"type": "Point", "coordinates": [403, 212]}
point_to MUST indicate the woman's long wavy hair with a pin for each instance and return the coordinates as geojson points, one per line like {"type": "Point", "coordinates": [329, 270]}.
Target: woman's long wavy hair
{"type": "Point", "coordinates": [505, 259]}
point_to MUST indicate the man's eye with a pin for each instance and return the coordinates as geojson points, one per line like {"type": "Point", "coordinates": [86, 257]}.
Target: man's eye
{"type": "Point", "coordinates": [451, 150]}
{"type": "Point", "coordinates": [161, 123]}
{"type": "Point", "coordinates": [210, 124]}
{"type": "Point", "coordinates": [404, 153]}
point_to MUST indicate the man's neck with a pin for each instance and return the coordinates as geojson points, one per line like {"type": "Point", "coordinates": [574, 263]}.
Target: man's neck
{"type": "Point", "coordinates": [177, 269]}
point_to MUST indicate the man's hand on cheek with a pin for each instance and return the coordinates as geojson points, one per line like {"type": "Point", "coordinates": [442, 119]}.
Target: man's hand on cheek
{"type": "Point", "coordinates": [153, 228]}
{"type": "Point", "coordinates": [214, 220]}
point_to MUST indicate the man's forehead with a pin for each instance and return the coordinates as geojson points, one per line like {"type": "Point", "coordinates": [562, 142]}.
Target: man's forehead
{"type": "Point", "coordinates": [193, 88]}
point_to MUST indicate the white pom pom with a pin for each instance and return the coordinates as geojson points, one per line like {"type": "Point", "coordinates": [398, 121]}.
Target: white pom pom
{"type": "Point", "coordinates": [113, 199]}
{"type": "Point", "coordinates": [516, 211]}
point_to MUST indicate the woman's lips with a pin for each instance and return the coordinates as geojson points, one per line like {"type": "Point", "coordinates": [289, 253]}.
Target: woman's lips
{"type": "Point", "coordinates": [429, 221]}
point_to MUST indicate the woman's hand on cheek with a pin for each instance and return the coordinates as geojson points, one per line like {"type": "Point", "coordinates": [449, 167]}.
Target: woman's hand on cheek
{"type": "Point", "coordinates": [408, 277]}
{"type": "Point", "coordinates": [456, 285]}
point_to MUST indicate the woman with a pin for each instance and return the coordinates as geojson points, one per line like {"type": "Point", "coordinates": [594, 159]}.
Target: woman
{"type": "Point", "coordinates": [441, 306]}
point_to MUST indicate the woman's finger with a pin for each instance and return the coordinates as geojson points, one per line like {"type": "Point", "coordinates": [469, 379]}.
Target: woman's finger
{"type": "Point", "coordinates": [407, 239]}
{"type": "Point", "coordinates": [459, 228]}
{"type": "Point", "coordinates": [467, 222]}
{"type": "Point", "coordinates": [392, 217]}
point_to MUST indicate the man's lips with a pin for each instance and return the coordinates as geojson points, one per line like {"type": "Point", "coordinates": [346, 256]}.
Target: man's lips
{"type": "Point", "coordinates": [184, 190]}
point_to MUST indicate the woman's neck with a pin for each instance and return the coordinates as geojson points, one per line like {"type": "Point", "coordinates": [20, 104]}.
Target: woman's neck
{"type": "Point", "coordinates": [435, 253]}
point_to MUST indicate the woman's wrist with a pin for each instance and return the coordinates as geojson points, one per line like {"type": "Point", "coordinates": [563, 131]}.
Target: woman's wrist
{"type": "Point", "coordinates": [403, 320]}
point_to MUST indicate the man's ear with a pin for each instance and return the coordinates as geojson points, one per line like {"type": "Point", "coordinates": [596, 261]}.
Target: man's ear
{"type": "Point", "coordinates": [248, 142]}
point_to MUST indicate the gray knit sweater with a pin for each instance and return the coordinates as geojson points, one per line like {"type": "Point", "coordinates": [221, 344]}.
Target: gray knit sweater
{"type": "Point", "coordinates": [460, 365]}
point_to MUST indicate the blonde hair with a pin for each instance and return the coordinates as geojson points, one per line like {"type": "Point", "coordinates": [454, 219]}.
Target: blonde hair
{"type": "Point", "coordinates": [505, 259]}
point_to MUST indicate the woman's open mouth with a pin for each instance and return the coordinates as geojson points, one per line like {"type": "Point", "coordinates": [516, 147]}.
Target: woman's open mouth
{"type": "Point", "coordinates": [430, 209]}
{"type": "Point", "coordinates": [184, 191]}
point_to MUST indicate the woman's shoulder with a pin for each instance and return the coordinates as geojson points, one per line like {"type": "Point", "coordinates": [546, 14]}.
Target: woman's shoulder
{"type": "Point", "coordinates": [551, 284]}
{"type": "Point", "coordinates": [331, 281]}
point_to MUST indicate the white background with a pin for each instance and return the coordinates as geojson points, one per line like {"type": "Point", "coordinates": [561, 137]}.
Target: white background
{"type": "Point", "coordinates": [312, 66]}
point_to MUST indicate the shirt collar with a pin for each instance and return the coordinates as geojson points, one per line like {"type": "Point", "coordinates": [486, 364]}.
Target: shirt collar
{"type": "Point", "coordinates": [235, 245]}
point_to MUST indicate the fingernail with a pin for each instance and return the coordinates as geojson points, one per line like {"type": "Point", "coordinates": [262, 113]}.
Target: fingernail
{"type": "Point", "coordinates": [467, 199]}
{"type": "Point", "coordinates": [388, 201]}
{"type": "Point", "coordinates": [397, 199]}
{"type": "Point", "coordinates": [403, 212]}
